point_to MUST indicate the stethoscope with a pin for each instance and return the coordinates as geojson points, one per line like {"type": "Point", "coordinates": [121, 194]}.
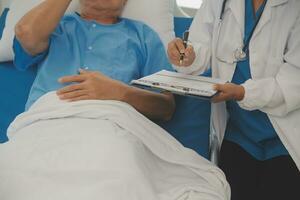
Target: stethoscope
{"type": "Point", "coordinates": [223, 10]}
{"type": "Point", "coordinates": [241, 53]}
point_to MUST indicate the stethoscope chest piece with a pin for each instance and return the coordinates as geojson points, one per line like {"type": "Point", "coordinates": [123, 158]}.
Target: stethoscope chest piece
{"type": "Point", "coordinates": [239, 54]}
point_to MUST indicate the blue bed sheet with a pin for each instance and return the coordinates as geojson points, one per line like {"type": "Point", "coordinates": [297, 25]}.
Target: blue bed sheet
{"type": "Point", "coordinates": [190, 124]}
{"type": "Point", "coordinates": [14, 87]}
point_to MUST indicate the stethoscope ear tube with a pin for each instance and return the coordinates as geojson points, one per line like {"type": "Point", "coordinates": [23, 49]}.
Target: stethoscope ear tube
{"type": "Point", "coordinates": [223, 10]}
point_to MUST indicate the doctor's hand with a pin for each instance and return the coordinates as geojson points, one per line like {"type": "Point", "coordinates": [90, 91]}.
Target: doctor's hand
{"type": "Point", "coordinates": [227, 92]}
{"type": "Point", "coordinates": [176, 47]}
{"type": "Point", "coordinates": [91, 86]}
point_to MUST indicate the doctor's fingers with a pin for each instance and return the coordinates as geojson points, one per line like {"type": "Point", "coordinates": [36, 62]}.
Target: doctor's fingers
{"type": "Point", "coordinates": [174, 60]}
{"type": "Point", "coordinates": [176, 46]}
{"type": "Point", "coordinates": [219, 87]}
{"type": "Point", "coordinates": [221, 97]}
{"type": "Point", "coordinates": [186, 61]}
{"type": "Point", "coordinates": [173, 52]}
{"type": "Point", "coordinates": [222, 94]}
{"type": "Point", "coordinates": [189, 56]}
{"type": "Point", "coordinates": [236, 92]}
{"type": "Point", "coordinates": [189, 52]}
{"type": "Point", "coordinates": [179, 45]}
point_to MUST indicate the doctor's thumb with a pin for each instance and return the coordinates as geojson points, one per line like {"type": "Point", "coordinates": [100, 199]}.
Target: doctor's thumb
{"type": "Point", "coordinates": [218, 87]}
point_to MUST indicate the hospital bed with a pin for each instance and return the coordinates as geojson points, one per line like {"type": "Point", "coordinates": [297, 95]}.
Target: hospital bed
{"type": "Point", "coordinates": [190, 124]}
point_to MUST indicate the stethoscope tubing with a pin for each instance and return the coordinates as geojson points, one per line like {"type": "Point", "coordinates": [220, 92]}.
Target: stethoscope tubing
{"type": "Point", "coordinates": [245, 49]}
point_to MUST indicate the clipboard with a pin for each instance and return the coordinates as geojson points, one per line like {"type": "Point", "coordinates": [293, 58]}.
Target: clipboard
{"type": "Point", "coordinates": [180, 84]}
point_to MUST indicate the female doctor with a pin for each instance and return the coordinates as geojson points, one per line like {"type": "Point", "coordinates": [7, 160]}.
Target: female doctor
{"type": "Point", "coordinates": [255, 45]}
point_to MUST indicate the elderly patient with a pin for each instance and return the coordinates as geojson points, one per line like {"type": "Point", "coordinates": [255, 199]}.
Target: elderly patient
{"type": "Point", "coordinates": [92, 55]}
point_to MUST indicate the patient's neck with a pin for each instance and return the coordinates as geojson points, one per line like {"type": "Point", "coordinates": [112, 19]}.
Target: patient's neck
{"type": "Point", "coordinates": [102, 18]}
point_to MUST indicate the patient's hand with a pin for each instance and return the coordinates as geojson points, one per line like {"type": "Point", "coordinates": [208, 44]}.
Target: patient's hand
{"type": "Point", "coordinates": [94, 85]}
{"type": "Point", "coordinates": [90, 86]}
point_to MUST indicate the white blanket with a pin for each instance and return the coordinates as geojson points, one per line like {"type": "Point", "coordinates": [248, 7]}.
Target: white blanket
{"type": "Point", "coordinates": [91, 150]}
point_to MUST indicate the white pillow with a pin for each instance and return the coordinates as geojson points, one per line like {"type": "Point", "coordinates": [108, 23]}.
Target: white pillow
{"type": "Point", "coordinates": [157, 14]}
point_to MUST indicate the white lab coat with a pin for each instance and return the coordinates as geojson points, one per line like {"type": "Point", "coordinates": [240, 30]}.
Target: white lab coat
{"type": "Point", "coordinates": [274, 62]}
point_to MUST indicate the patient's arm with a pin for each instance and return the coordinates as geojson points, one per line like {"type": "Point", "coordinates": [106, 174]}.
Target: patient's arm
{"type": "Point", "coordinates": [34, 29]}
{"type": "Point", "coordinates": [94, 85]}
{"type": "Point", "coordinates": [156, 106]}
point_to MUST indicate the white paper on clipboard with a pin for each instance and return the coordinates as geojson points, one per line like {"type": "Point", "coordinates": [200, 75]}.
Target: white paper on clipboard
{"type": "Point", "coordinates": [182, 84]}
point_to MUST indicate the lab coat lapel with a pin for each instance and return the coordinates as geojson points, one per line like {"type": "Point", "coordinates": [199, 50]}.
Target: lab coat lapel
{"type": "Point", "coordinates": [277, 2]}
{"type": "Point", "coordinates": [237, 7]}
{"type": "Point", "coordinates": [267, 15]}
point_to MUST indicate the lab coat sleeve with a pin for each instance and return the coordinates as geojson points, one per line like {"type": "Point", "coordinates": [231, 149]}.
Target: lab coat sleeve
{"type": "Point", "coordinates": [201, 32]}
{"type": "Point", "coordinates": [280, 95]}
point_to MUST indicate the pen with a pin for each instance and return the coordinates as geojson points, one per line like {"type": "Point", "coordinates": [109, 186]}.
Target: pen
{"type": "Point", "coordinates": [185, 41]}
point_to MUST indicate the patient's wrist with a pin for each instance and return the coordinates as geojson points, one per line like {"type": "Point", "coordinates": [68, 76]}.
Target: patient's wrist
{"type": "Point", "coordinates": [124, 93]}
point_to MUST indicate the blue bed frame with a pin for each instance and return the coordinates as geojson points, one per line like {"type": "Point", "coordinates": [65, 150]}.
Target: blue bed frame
{"type": "Point", "coordinates": [190, 124]}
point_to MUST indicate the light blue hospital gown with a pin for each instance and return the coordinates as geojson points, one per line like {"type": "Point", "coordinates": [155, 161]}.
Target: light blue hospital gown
{"type": "Point", "coordinates": [123, 51]}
